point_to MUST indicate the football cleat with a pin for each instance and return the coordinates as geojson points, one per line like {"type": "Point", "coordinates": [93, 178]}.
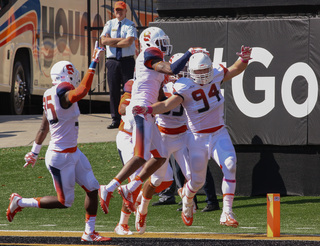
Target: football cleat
{"type": "Point", "coordinates": [127, 197]}
{"type": "Point", "coordinates": [94, 237]}
{"type": "Point", "coordinates": [122, 229]}
{"type": "Point", "coordinates": [228, 219]}
{"type": "Point", "coordinates": [104, 196]}
{"type": "Point", "coordinates": [141, 224]}
{"type": "Point", "coordinates": [13, 207]}
{"type": "Point", "coordinates": [187, 211]}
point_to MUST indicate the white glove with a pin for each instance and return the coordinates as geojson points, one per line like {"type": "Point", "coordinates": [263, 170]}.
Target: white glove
{"type": "Point", "coordinates": [245, 54]}
{"type": "Point", "coordinates": [30, 158]}
{"type": "Point", "coordinates": [96, 52]}
{"type": "Point", "coordinates": [198, 50]}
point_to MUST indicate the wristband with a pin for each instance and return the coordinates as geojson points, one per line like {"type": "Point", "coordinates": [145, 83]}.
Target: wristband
{"type": "Point", "coordinates": [149, 109]}
{"type": "Point", "coordinates": [36, 148]}
{"type": "Point", "coordinates": [93, 65]}
{"type": "Point", "coordinates": [244, 61]}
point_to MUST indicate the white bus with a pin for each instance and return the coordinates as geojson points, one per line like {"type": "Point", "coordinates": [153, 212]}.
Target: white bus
{"type": "Point", "coordinates": [35, 34]}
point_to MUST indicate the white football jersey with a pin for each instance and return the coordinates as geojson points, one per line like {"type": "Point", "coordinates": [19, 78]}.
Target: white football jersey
{"type": "Point", "coordinates": [63, 123]}
{"type": "Point", "coordinates": [147, 82]}
{"type": "Point", "coordinates": [203, 103]}
{"type": "Point", "coordinates": [174, 118]}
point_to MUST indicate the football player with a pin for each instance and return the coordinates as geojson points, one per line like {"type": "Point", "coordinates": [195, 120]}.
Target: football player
{"type": "Point", "coordinates": [125, 149]}
{"type": "Point", "coordinates": [201, 97]}
{"type": "Point", "coordinates": [64, 160]}
{"type": "Point", "coordinates": [149, 73]}
{"type": "Point", "coordinates": [173, 127]}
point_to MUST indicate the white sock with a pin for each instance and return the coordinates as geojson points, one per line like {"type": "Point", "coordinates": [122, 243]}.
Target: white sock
{"type": "Point", "coordinates": [90, 224]}
{"type": "Point", "coordinates": [28, 202]}
{"type": "Point", "coordinates": [134, 184]}
{"type": "Point", "coordinates": [189, 193]}
{"type": "Point", "coordinates": [227, 203]}
{"type": "Point", "coordinates": [114, 184]}
{"type": "Point", "coordinates": [143, 208]}
{"type": "Point", "coordinates": [124, 218]}
{"type": "Point", "coordinates": [138, 201]}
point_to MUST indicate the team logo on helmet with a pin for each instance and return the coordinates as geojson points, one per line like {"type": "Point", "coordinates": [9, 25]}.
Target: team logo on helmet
{"type": "Point", "coordinates": [147, 36]}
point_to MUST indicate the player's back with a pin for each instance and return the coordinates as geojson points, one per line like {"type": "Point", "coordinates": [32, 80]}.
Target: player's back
{"type": "Point", "coordinates": [145, 90]}
{"type": "Point", "coordinates": [63, 123]}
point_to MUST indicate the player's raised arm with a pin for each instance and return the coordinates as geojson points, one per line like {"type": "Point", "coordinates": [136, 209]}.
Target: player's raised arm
{"type": "Point", "coordinates": [174, 68]}
{"type": "Point", "coordinates": [81, 91]}
{"type": "Point", "coordinates": [240, 65]}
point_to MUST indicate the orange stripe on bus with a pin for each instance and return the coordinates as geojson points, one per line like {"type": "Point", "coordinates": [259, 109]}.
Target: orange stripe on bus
{"type": "Point", "coordinates": [17, 24]}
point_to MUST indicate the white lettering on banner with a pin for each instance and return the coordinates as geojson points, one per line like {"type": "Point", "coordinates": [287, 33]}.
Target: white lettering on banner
{"type": "Point", "coordinates": [303, 109]}
{"type": "Point", "coordinates": [217, 58]}
{"type": "Point", "coordinates": [267, 84]}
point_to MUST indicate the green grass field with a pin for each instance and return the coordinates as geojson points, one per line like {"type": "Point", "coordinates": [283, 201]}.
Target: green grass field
{"type": "Point", "coordinates": [299, 215]}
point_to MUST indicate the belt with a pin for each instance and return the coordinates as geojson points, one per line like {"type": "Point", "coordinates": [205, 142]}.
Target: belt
{"type": "Point", "coordinates": [122, 58]}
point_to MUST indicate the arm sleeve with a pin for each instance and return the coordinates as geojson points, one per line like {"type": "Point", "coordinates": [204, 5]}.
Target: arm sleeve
{"type": "Point", "coordinates": [151, 54]}
{"type": "Point", "coordinates": [84, 87]}
{"type": "Point", "coordinates": [178, 65]}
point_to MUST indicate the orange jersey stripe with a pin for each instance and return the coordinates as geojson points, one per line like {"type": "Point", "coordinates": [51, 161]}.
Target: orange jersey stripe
{"type": "Point", "coordinates": [210, 130]}
{"type": "Point", "coordinates": [173, 131]}
{"type": "Point", "coordinates": [69, 150]}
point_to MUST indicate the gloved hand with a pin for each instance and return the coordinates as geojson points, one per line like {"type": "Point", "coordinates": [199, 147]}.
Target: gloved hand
{"type": "Point", "coordinates": [198, 50]}
{"type": "Point", "coordinates": [30, 158]}
{"type": "Point", "coordinates": [245, 54]}
{"type": "Point", "coordinates": [141, 110]}
{"type": "Point", "coordinates": [96, 52]}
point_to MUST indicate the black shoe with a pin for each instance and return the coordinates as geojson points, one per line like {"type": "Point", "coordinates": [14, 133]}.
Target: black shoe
{"type": "Point", "coordinates": [179, 209]}
{"type": "Point", "coordinates": [165, 202]}
{"type": "Point", "coordinates": [113, 125]}
{"type": "Point", "coordinates": [211, 207]}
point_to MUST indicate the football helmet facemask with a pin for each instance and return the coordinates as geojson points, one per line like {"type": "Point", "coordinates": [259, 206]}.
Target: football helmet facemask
{"type": "Point", "coordinates": [201, 61]}
{"type": "Point", "coordinates": [155, 37]}
{"type": "Point", "coordinates": [64, 71]}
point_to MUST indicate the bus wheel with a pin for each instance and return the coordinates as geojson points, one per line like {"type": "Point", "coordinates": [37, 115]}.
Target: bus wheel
{"type": "Point", "coordinates": [18, 89]}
